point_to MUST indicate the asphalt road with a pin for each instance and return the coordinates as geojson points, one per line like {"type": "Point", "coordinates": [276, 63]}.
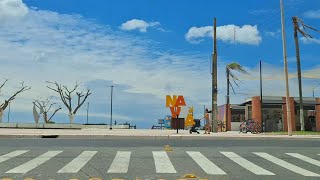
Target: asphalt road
{"type": "Point", "coordinates": [143, 158]}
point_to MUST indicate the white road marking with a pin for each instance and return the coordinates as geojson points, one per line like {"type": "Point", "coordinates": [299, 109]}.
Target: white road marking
{"type": "Point", "coordinates": [162, 162]}
{"type": "Point", "coordinates": [26, 167]}
{"type": "Point", "coordinates": [286, 165]}
{"type": "Point", "coordinates": [12, 155]}
{"type": "Point", "coordinates": [77, 163]}
{"type": "Point", "coordinates": [246, 164]}
{"type": "Point", "coordinates": [305, 158]}
{"type": "Point", "coordinates": [208, 166]}
{"type": "Point", "coordinates": [120, 163]}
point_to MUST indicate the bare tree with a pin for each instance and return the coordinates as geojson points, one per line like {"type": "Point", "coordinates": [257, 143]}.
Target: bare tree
{"type": "Point", "coordinates": [4, 105]}
{"type": "Point", "coordinates": [66, 97]}
{"type": "Point", "coordinates": [44, 109]}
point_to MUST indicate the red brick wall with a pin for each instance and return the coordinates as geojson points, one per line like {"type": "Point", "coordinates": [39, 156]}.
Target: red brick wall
{"type": "Point", "coordinates": [256, 109]}
{"type": "Point", "coordinates": [229, 118]}
{"type": "Point", "coordinates": [293, 116]}
{"type": "Point", "coordinates": [318, 115]}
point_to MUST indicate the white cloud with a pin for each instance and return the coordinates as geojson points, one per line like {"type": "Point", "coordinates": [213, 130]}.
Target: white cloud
{"type": "Point", "coordinates": [12, 8]}
{"type": "Point", "coordinates": [273, 34]}
{"type": "Point", "coordinates": [314, 14]}
{"type": "Point", "coordinates": [137, 24]}
{"type": "Point", "coordinates": [246, 34]}
{"type": "Point", "coordinates": [310, 40]}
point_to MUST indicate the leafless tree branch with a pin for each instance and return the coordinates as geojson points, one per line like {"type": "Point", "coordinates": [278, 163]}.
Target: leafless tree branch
{"type": "Point", "coordinates": [22, 89]}
{"type": "Point", "coordinates": [54, 113]}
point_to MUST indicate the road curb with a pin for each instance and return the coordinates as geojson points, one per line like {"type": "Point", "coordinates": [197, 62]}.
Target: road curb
{"type": "Point", "coordinates": [159, 137]}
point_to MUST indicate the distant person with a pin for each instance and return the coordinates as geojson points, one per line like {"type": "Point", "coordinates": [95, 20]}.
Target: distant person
{"type": "Point", "coordinates": [207, 126]}
{"type": "Point", "coordinates": [115, 122]}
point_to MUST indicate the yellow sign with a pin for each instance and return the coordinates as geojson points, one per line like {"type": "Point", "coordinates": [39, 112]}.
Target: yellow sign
{"type": "Point", "coordinates": [175, 104]}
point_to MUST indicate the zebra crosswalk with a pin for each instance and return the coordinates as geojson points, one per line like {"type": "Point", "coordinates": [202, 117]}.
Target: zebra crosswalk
{"type": "Point", "coordinates": [163, 162]}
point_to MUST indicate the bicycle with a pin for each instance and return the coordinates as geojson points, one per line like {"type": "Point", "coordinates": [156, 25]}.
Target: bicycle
{"type": "Point", "coordinates": [250, 126]}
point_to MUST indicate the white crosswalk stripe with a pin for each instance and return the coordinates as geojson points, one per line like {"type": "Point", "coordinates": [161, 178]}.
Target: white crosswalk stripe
{"type": "Point", "coordinates": [206, 165]}
{"type": "Point", "coordinates": [12, 155]}
{"type": "Point", "coordinates": [286, 165]}
{"type": "Point", "coordinates": [26, 167]}
{"type": "Point", "coordinates": [76, 164]}
{"type": "Point", "coordinates": [120, 164]}
{"type": "Point", "coordinates": [246, 164]}
{"type": "Point", "coordinates": [305, 158]}
{"type": "Point", "coordinates": [162, 162]}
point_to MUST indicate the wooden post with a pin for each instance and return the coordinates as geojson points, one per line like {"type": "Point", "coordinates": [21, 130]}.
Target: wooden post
{"type": "Point", "coordinates": [214, 79]}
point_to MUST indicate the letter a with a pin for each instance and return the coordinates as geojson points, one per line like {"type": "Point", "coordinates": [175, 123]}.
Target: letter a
{"type": "Point", "coordinates": [180, 101]}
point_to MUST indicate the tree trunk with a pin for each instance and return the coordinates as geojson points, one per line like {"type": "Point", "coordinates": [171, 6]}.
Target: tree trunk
{"type": "Point", "coordinates": [228, 98]}
{"type": "Point", "coordinates": [295, 23]}
{"type": "Point", "coordinates": [1, 115]}
{"type": "Point", "coordinates": [71, 117]}
{"type": "Point", "coordinates": [45, 117]}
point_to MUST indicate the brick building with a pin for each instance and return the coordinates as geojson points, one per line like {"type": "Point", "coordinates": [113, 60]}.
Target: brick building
{"type": "Point", "coordinates": [274, 113]}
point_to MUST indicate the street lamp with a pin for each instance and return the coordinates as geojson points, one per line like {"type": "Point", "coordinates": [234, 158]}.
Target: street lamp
{"type": "Point", "coordinates": [314, 90]}
{"type": "Point", "coordinates": [88, 113]}
{"type": "Point", "coordinates": [9, 113]}
{"type": "Point", "coordinates": [111, 107]}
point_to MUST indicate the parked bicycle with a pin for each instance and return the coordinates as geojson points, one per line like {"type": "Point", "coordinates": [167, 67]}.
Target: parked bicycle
{"type": "Point", "coordinates": [250, 126]}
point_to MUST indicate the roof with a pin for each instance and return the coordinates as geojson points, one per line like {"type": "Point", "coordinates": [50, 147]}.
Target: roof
{"type": "Point", "coordinates": [278, 100]}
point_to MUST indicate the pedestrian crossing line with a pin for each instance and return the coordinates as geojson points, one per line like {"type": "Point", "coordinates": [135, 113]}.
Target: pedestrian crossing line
{"type": "Point", "coordinates": [162, 162]}
{"type": "Point", "coordinates": [76, 164]}
{"type": "Point", "coordinates": [286, 165]}
{"type": "Point", "coordinates": [26, 167]}
{"type": "Point", "coordinates": [206, 165]}
{"type": "Point", "coordinates": [12, 155]}
{"type": "Point", "coordinates": [120, 163]}
{"type": "Point", "coordinates": [246, 164]}
{"type": "Point", "coordinates": [305, 158]}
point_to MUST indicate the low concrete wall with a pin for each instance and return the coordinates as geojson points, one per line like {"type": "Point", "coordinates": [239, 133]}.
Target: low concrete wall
{"type": "Point", "coordinates": [235, 126]}
{"type": "Point", "coordinates": [59, 126]}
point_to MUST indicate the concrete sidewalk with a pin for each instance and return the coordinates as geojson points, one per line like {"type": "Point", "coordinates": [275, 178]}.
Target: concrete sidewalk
{"type": "Point", "coordinates": [133, 133]}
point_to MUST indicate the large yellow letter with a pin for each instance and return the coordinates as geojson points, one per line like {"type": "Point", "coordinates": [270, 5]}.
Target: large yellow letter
{"type": "Point", "coordinates": [170, 101]}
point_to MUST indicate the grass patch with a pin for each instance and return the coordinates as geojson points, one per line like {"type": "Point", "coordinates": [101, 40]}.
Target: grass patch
{"type": "Point", "coordinates": [294, 133]}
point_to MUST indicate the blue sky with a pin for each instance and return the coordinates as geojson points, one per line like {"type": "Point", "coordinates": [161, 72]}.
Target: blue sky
{"type": "Point", "coordinates": [149, 49]}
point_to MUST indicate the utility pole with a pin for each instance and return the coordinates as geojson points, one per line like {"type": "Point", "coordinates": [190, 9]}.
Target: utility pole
{"type": "Point", "coordinates": [295, 28]}
{"type": "Point", "coordinates": [214, 79]}
{"type": "Point", "coordinates": [284, 47]}
{"type": "Point", "coordinates": [111, 107]}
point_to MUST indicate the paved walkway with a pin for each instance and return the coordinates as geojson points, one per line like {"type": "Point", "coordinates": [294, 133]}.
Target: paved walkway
{"type": "Point", "coordinates": [104, 133]}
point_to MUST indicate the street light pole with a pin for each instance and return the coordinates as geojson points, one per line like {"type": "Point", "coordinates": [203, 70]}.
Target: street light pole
{"type": "Point", "coordinates": [284, 47]}
{"type": "Point", "coordinates": [9, 113]}
{"type": "Point", "coordinates": [88, 113]}
{"type": "Point", "coordinates": [111, 108]}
